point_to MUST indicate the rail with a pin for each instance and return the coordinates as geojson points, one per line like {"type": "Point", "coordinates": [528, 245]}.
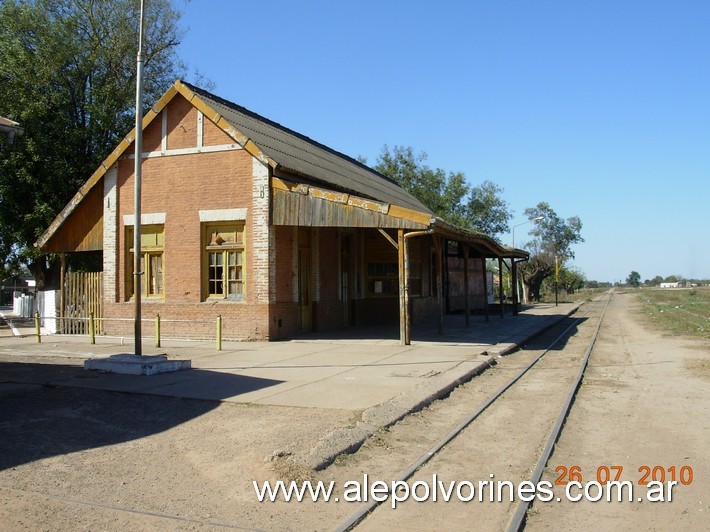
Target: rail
{"type": "Point", "coordinates": [518, 520]}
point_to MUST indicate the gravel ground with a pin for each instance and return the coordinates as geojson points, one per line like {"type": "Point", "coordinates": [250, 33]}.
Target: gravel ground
{"type": "Point", "coordinates": [75, 459]}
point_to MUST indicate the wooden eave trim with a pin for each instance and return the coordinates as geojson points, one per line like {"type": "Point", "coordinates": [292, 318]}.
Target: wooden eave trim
{"type": "Point", "coordinates": [107, 163]}
{"type": "Point", "coordinates": [355, 201]}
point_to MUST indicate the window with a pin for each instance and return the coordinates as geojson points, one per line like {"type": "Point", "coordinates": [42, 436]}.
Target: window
{"type": "Point", "coordinates": [383, 279]}
{"type": "Point", "coordinates": [152, 252]}
{"type": "Point", "coordinates": [224, 261]}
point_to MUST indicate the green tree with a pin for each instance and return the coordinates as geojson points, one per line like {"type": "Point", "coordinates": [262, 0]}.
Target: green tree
{"type": "Point", "coordinates": [551, 246]}
{"type": "Point", "coordinates": [443, 194]}
{"type": "Point", "coordinates": [486, 211]}
{"type": "Point", "coordinates": [448, 195]}
{"type": "Point", "coordinates": [67, 72]}
{"type": "Point", "coordinates": [634, 279]}
{"type": "Point", "coordinates": [571, 279]}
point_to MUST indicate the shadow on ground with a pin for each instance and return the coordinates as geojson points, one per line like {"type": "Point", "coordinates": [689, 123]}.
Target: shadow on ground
{"type": "Point", "coordinates": [479, 331]}
{"type": "Point", "coordinates": [39, 419]}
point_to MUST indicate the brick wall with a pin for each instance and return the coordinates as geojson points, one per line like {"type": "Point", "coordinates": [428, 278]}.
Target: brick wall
{"type": "Point", "coordinates": [178, 187]}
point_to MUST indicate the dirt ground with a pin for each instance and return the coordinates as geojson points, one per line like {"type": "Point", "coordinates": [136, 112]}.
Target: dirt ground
{"type": "Point", "coordinates": [73, 459]}
{"type": "Point", "coordinates": [645, 404]}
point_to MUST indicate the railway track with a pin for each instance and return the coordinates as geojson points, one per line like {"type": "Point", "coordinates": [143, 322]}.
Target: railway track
{"type": "Point", "coordinates": [526, 402]}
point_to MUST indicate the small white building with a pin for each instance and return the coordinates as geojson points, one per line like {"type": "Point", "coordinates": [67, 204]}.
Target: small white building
{"type": "Point", "coordinates": [678, 284]}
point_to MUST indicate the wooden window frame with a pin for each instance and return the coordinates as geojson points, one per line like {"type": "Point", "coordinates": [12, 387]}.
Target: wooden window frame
{"type": "Point", "coordinates": [213, 245]}
{"type": "Point", "coordinates": [148, 251]}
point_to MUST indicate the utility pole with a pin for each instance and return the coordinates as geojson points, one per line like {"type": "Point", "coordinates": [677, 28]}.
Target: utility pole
{"type": "Point", "coordinates": [137, 273]}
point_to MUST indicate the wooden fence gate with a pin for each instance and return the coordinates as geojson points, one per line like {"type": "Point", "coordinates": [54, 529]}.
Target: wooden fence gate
{"type": "Point", "coordinates": [82, 294]}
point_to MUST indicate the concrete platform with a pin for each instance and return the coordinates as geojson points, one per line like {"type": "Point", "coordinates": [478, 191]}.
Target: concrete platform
{"type": "Point", "coordinates": [131, 364]}
{"type": "Point", "coordinates": [365, 371]}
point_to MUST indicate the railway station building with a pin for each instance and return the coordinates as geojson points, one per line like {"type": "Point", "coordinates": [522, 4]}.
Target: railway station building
{"type": "Point", "coordinates": [276, 233]}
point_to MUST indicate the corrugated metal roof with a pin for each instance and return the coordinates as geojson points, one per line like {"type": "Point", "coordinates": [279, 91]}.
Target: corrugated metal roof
{"type": "Point", "coordinates": [302, 155]}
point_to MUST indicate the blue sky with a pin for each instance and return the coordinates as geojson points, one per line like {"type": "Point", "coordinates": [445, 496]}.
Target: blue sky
{"type": "Point", "coordinates": [601, 108]}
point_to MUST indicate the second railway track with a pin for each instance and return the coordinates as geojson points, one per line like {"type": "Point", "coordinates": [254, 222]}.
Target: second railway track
{"type": "Point", "coordinates": [501, 426]}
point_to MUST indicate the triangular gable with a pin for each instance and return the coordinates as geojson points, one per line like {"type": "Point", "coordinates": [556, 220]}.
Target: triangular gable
{"type": "Point", "coordinates": [177, 88]}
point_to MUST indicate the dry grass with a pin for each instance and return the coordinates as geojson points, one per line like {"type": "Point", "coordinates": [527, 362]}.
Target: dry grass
{"type": "Point", "coordinates": [681, 312]}
{"type": "Point", "coordinates": [288, 471]}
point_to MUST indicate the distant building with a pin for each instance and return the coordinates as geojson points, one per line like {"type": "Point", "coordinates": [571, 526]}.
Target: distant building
{"type": "Point", "coordinates": [20, 283]}
{"type": "Point", "coordinates": [678, 284]}
{"type": "Point", "coordinates": [10, 129]}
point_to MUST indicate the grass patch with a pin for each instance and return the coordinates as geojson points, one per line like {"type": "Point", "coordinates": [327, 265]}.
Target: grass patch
{"type": "Point", "coordinates": [681, 312]}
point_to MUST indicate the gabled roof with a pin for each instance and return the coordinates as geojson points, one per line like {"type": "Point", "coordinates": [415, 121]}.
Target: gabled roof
{"type": "Point", "coordinates": [303, 156]}
{"type": "Point", "coordinates": [286, 151]}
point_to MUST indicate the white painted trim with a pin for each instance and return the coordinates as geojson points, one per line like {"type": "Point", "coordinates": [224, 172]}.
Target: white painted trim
{"type": "Point", "coordinates": [151, 218]}
{"type": "Point", "coordinates": [200, 128]}
{"type": "Point", "coordinates": [187, 151]}
{"type": "Point", "coordinates": [164, 141]}
{"type": "Point", "coordinates": [223, 215]}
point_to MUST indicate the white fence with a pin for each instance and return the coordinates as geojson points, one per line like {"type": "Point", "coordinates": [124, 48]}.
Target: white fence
{"type": "Point", "coordinates": [48, 308]}
{"type": "Point", "coordinates": [23, 304]}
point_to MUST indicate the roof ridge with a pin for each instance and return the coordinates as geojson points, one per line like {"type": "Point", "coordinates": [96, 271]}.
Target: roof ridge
{"type": "Point", "coordinates": [272, 123]}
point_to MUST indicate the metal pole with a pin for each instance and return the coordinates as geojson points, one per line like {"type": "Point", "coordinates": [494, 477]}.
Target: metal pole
{"type": "Point", "coordinates": [557, 275]}
{"type": "Point", "coordinates": [486, 308]}
{"type": "Point", "coordinates": [514, 275]}
{"type": "Point", "coordinates": [500, 285]}
{"type": "Point", "coordinates": [157, 330]}
{"type": "Point", "coordinates": [38, 330]}
{"type": "Point", "coordinates": [401, 274]}
{"type": "Point", "coordinates": [137, 194]}
{"type": "Point", "coordinates": [219, 332]}
{"type": "Point", "coordinates": [92, 329]}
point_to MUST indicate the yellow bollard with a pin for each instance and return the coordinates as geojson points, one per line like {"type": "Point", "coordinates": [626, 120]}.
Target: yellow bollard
{"type": "Point", "coordinates": [219, 332]}
{"type": "Point", "coordinates": [37, 329]}
{"type": "Point", "coordinates": [92, 328]}
{"type": "Point", "coordinates": [157, 330]}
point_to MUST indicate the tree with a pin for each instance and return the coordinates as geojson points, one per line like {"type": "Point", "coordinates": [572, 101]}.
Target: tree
{"type": "Point", "coordinates": [449, 196]}
{"type": "Point", "coordinates": [442, 193]}
{"type": "Point", "coordinates": [551, 246]}
{"type": "Point", "coordinates": [570, 279]}
{"type": "Point", "coordinates": [634, 279]}
{"type": "Point", "coordinates": [486, 211]}
{"type": "Point", "coordinates": [67, 72]}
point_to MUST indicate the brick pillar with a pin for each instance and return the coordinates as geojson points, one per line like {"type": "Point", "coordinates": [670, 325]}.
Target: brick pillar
{"type": "Point", "coordinates": [110, 237]}
{"type": "Point", "coordinates": [264, 271]}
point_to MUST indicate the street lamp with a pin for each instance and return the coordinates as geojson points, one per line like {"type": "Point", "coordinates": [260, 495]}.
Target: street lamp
{"type": "Point", "coordinates": [537, 219]}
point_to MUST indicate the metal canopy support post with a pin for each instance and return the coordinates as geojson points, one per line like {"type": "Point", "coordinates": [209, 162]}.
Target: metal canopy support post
{"type": "Point", "coordinates": [514, 284]}
{"type": "Point", "coordinates": [439, 281]}
{"type": "Point", "coordinates": [486, 309]}
{"type": "Point", "coordinates": [402, 289]}
{"type": "Point", "coordinates": [467, 309]}
{"type": "Point", "coordinates": [500, 285]}
{"type": "Point", "coordinates": [137, 194]}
